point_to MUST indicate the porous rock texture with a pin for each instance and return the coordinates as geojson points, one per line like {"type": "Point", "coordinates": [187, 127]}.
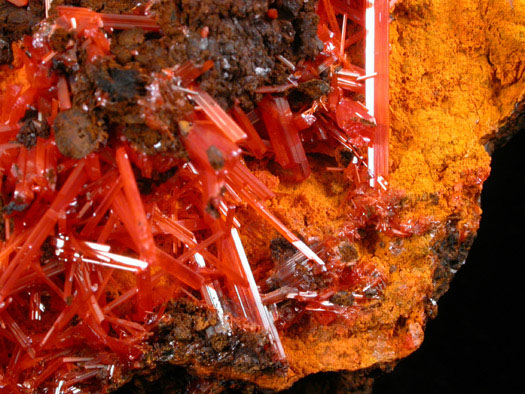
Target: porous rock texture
{"type": "Point", "coordinates": [457, 87]}
{"type": "Point", "coordinates": [15, 22]}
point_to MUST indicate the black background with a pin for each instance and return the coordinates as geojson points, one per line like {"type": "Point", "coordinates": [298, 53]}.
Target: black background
{"type": "Point", "coordinates": [475, 343]}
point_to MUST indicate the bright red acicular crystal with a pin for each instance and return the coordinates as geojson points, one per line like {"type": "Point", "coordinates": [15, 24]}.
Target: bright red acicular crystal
{"type": "Point", "coordinates": [254, 141]}
{"type": "Point", "coordinates": [382, 113]}
{"type": "Point", "coordinates": [284, 136]}
{"type": "Point", "coordinates": [86, 18]}
{"type": "Point", "coordinates": [19, 3]}
{"type": "Point", "coordinates": [225, 124]}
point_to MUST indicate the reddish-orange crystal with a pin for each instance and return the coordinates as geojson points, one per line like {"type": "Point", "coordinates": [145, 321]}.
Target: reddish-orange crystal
{"type": "Point", "coordinates": [19, 3]}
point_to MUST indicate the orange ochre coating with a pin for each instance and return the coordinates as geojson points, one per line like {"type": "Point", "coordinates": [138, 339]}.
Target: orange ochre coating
{"type": "Point", "coordinates": [456, 72]}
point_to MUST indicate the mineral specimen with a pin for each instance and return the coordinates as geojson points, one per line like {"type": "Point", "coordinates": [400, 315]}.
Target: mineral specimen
{"type": "Point", "coordinates": [213, 184]}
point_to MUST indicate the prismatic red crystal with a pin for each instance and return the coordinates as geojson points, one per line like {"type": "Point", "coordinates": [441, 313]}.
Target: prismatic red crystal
{"type": "Point", "coordinates": [88, 263]}
{"type": "Point", "coordinates": [284, 136]}
{"type": "Point", "coordinates": [19, 3]}
{"type": "Point", "coordinates": [381, 113]}
{"type": "Point", "coordinates": [86, 17]}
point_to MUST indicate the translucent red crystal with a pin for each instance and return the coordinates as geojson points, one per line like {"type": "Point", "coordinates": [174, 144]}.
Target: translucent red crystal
{"type": "Point", "coordinates": [64, 101]}
{"type": "Point", "coordinates": [188, 71]}
{"type": "Point", "coordinates": [85, 17]}
{"type": "Point", "coordinates": [222, 120]}
{"type": "Point", "coordinates": [254, 141]}
{"type": "Point", "coordinates": [141, 227]}
{"type": "Point", "coordinates": [284, 136]}
{"type": "Point", "coordinates": [382, 113]}
{"type": "Point", "coordinates": [19, 3]}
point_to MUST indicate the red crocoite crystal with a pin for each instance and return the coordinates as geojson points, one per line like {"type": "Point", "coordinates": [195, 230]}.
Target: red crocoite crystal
{"type": "Point", "coordinates": [284, 136]}
{"type": "Point", "coordinates": [19, 3]}
{"type": "Point", "coordinates": [85, 18]}
{"type": "Point", "coordinates": [88, 263]}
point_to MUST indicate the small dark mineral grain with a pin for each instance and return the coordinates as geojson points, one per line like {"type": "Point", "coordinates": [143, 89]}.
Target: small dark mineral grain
{"type": "Point", "coordinates": [344, 298]}
{"type": "Point", "coordinates": [306, 92]}
{"type": "Point", "coordinates": [215, 157]}
{"type": "Point", "coordinates": [111, 6]}
{"type": "Point", "coordinates": [32, 127]}
{"type": "Point", "coordinates": [120, 84]}
{"type": "Point", "coordinates": [76, 134]}
{"type": "Point", "coordinates": [60, 39]}
{"type": "Point", "coordinates": [6, 55]}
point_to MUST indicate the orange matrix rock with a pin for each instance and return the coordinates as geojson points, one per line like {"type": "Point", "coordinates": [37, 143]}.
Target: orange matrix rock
{"type": "Point", "coordinates": [310, 229]}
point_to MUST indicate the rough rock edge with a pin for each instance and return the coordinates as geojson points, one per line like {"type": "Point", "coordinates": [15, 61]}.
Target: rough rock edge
{"type": "Point", "coordinates": [510, 126]}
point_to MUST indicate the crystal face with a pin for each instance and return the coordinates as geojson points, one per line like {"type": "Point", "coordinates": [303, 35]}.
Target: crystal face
{"type": "Point", "coordinates": [89, 261]}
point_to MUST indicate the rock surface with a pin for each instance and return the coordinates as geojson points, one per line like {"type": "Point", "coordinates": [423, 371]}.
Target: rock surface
{"type": "Point", "coordinates": [457, 89]}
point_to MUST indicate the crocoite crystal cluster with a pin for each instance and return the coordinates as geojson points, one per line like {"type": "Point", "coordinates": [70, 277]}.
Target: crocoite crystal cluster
{"type": "Point", "coordinates": [87, 263]}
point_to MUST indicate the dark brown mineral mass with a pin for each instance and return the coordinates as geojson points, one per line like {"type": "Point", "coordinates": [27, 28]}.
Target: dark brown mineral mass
{"type": "Point", "coordinates": [76, 134]}
{"type": "Point", "coordinates": [113, 6]}
{"type": "Point", "coordinates": [5, 50]}
{"type": "Point", "coordinates": [33, 126]}
{"type": "Point", "coordinates": [15, 22]}
{"type": "Point", "coordinates": [238, 36]}
{"type": "Point", "coordinates": [243, 45]}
